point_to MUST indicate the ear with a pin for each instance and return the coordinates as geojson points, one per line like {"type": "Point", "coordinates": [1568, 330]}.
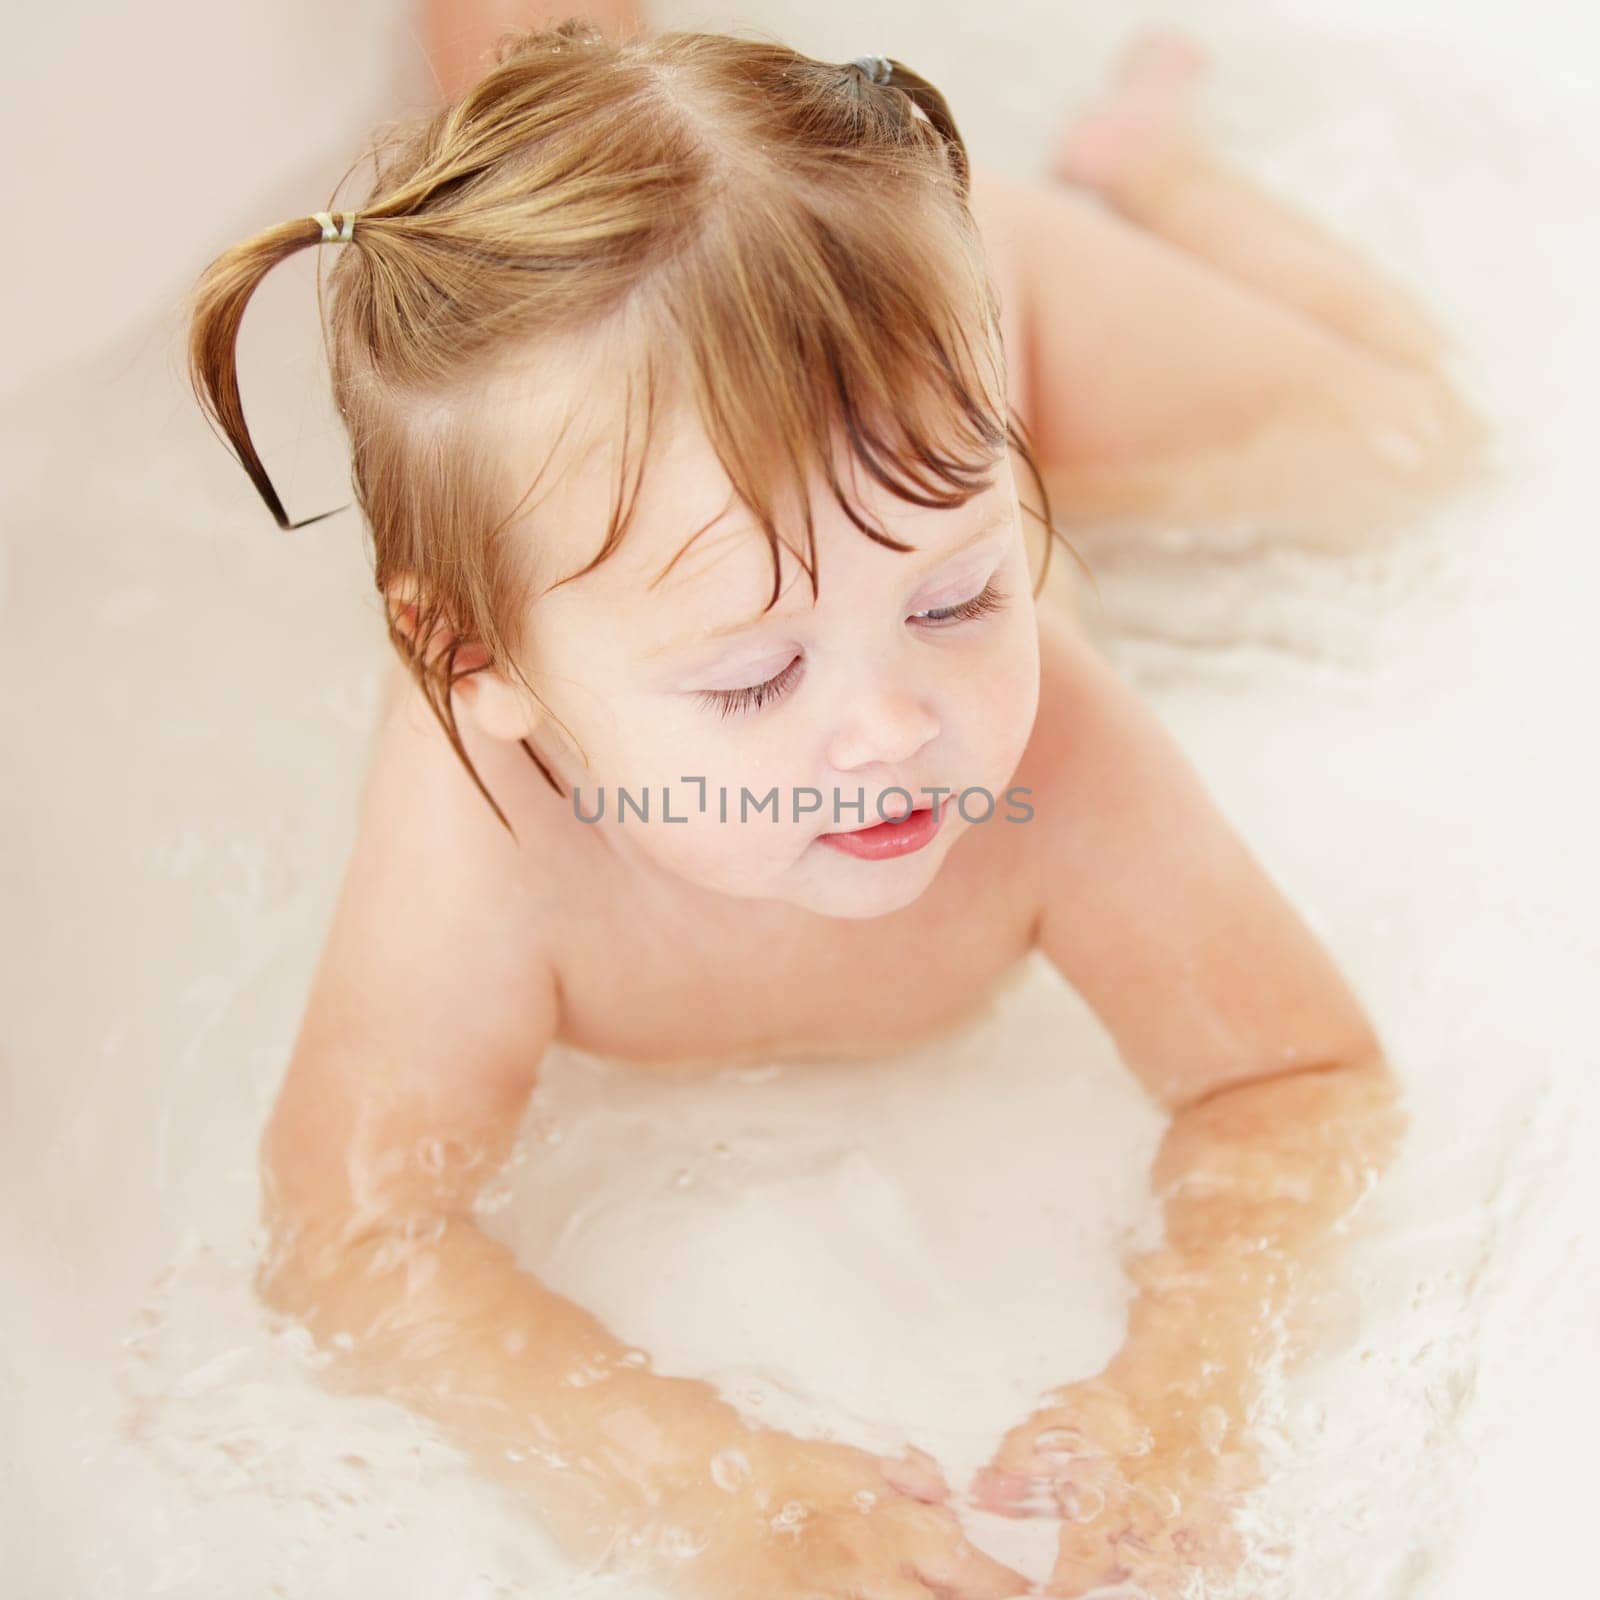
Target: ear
{"type": "Point", "coordinates": [500, 707]}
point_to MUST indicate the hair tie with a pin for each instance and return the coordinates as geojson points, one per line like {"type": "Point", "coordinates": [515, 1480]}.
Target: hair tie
{"type": "Point", "coordinates": [345, 234]}
{"type": "Point", "coordinates": [877, 68]}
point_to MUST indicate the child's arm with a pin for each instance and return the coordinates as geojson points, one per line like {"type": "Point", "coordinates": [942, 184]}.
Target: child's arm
{"type": "Point", "coordinates": [433, 1003]}
{"type": "Point", "coordinates": [1284, 1112]}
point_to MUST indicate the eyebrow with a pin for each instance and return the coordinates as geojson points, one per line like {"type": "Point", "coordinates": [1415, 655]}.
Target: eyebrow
{"type": "Point", "coordinates": [990, 525]}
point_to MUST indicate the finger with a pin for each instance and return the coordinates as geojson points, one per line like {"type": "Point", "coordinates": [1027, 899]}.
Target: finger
{"type": "Point", "coordinates": [1085, 1559]}
{"type": "Point", "coordinates": [915, 1473]}
{"type": "Point", "coordinates": [1010, 1483]}
{"type": "Point", "coordinates": [1156, 1571]}
{"type": "Point", "coordinates": [960, 1570]}
{"type": "Point", "coordinates": [891, 1589]}
{"type": "Point", "coordinates": [1016, 1453]}
{"type": "Point", "coordinates": [1011, 1494]}
{"type": "Point", "coordinates": [1047, 1486]}
{"type": "Point", "coordinates": [1039, 1447]}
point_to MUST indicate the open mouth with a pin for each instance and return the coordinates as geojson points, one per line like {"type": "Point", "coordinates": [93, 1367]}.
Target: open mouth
{"type": "Point", "coordinates": [894, 822]}
{"type": "Point", "coordinates": [879, 841]}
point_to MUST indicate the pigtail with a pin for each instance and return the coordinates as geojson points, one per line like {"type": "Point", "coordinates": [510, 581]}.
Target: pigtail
{"type": "Point", "coordinates": [217, 309]}
{"type": "Point", "coordinates": [934, 107]}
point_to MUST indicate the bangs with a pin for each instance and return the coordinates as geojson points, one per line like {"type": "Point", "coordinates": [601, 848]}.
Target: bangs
{"type": "Point", "coordinates": [802, 328]}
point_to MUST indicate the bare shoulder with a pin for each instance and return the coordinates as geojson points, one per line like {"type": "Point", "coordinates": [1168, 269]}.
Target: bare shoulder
{"type": "Point", "coordinates": [436, 992]}
{"type": "Point", "coordinates": [428, 839]}
{"type": "Point", "coordinates": [1096, 737]}
{"type": "Point", "coordinates": [1153, 907]}
{"type": "Point", "coordinates": [416, 782]}
{"type": "Point", "coordinates": [1083, 751]}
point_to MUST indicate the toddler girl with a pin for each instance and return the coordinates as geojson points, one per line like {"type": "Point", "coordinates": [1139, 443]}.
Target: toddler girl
{"type": "Point", "coordinates": [685, 380]}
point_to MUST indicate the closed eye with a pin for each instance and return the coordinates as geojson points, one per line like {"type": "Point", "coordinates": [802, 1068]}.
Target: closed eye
{"type": "Point", "coordinates": [990, 599]}
{"type": "Point", "coordinates": [754, 696]}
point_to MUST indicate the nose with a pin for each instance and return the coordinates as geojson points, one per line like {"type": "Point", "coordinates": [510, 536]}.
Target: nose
{"type": "Point", "coordinates": [886, 725]}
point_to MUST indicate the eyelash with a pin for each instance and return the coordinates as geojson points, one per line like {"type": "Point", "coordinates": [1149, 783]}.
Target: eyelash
{"type": "Point", "coordinates": [756, 695]}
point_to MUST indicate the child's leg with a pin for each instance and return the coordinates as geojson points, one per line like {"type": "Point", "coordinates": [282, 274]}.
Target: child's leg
{"type": "Point", "coordinates": [458, 34]}
{"type": "Point", "coordinates": [1139, 150]}
{"type": "Point", "coordinates": [1153, 381]}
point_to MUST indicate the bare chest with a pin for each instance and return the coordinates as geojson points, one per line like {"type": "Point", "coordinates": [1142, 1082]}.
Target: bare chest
{"type": "Point", "coordinates": [655, 990]}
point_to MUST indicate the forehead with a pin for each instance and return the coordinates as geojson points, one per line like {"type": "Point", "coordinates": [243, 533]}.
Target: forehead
{"type": "Point", "coordinates": [683, 516]}
{"type": "Point", "coordinates": [578, 436]}
{"type": "Point", "coordinates": [677, 510]}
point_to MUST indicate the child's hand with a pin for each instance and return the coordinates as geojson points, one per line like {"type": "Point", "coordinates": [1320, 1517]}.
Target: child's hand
{"type": "Point", "coordinates": [1145, 1492]}
{"type": "Point", "coordinates": [785, 1518]}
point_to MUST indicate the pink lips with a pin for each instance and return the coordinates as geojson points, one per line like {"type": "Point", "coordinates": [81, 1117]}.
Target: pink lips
{"type": "Point", "coordinates": [886, 840]}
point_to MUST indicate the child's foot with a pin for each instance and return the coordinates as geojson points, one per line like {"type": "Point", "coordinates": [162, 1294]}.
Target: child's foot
{"type": "Point", "coordinates": [1143, 122]}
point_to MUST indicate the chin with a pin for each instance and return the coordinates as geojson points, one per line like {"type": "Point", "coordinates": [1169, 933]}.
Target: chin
{"type": "Point", "coordinates": [869, 896]}
{"type": "Point", "coordinates": [879, 909]}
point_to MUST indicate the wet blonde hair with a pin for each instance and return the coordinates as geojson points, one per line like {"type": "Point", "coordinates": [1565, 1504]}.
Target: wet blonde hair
{"type": "Point", "coordinates": [784, 240]}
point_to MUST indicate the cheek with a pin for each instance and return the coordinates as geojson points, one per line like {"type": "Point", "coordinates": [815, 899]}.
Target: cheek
{"type": "Point", "coordinates": [756, 752]}
{"type": "Point", "coordinates": [1005, 692]}
{"type": "Point", "coordinates": [1025, 687]}
{"type": "Point", "coordinates": [727, 857]}
{"type": "Point", "coordinates": [725, 823]}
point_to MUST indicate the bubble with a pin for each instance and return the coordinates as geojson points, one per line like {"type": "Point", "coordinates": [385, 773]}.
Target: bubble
{"type": "Point", "coordinates": [1080, 1502]}
{"type": "Point", "coordinates": [682, 1542]}
{"type": "Point", "coordinates": [788, 1520]}
{"type": "Point", "coordinates": [730, 1468]}
{"type": "Point", "coordinates": [865, 1500]}
{"type": "Point", "coordinates": [1061, 1442]}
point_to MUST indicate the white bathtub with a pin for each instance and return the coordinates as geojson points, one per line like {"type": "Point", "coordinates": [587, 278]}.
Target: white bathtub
{"type": "Point", "coordinates": [189, 699]}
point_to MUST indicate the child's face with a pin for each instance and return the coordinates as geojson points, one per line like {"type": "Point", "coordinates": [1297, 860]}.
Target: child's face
{"type": "Point", "coordinates": [861, 694]}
